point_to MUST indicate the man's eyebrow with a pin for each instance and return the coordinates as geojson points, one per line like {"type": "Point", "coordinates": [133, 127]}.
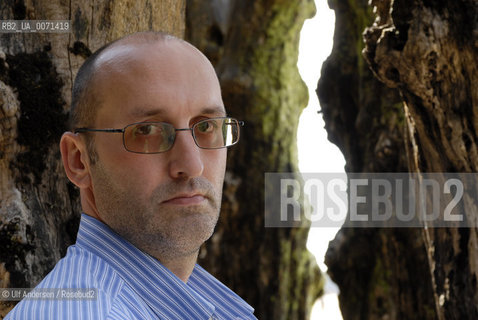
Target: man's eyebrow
{"type": "Point", "coordinates": [216, 110]}
{"type": "Point", "coordinates": [149, 112]}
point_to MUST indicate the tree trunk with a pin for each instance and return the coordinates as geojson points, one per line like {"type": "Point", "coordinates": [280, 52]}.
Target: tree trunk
{"type": "Point", "coordinates": [426, 53]}
{"type": "Point", "coordinates": [254, 47]}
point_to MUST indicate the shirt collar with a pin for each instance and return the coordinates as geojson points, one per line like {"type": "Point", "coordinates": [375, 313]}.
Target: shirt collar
{"type": "Point", "coordinates": [164, 292]}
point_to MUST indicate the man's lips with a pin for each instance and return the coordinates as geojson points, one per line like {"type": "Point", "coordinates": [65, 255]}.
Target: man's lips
{"type": "Point", "coordinates": [185, 199]}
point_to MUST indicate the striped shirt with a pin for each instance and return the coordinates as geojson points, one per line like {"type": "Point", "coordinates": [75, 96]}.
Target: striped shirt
{"type": "Point", "coordinates": [129, 284]}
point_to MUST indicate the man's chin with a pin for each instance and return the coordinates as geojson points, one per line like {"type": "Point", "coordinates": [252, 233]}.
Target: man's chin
{"type": "Point", "coordinates": [181, 240]}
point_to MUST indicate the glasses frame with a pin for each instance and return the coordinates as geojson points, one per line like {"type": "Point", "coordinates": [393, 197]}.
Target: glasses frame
{"type": "Point", "coordinates": [191, 129]}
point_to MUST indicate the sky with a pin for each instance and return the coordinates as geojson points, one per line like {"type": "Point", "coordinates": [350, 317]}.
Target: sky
{"type": "Point", "coordinates": [316, 153]}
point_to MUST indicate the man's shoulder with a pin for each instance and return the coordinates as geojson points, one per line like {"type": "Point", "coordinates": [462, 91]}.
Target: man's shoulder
{"type": "Point", "coordinates": [80, 286]}
{"type": "Point", "coordinates": [80, 269]}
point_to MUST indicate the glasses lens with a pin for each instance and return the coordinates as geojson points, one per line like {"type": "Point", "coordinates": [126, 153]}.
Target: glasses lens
{"type": "Point", "coordinates": [216, 133]}
{"type": "Point", "coordinates": [149, 137]}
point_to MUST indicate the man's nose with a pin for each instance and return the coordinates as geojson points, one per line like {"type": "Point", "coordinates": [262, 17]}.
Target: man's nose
{"type": "Point", "coordinates": [185, 157]}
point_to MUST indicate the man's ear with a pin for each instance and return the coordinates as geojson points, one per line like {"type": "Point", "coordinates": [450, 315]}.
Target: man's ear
{"type": "Point", "coordinates": [75, 159]}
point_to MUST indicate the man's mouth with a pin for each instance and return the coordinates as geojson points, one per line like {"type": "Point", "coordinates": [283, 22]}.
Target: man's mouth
{"type": "Point", "coordinates": [185, 199]}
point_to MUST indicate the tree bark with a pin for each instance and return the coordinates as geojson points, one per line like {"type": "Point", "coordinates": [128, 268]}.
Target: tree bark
{"type": "Point", "coordinates": [426, 54]}
{"type": "Point", "coordinates": [254, 47]}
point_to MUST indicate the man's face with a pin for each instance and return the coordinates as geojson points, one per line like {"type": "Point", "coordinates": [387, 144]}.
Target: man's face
{"type": "Point", "coordinates": [166, 204]}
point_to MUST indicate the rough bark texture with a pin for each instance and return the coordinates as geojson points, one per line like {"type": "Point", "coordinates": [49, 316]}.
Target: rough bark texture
{"type": "Point", "coordinates": [39, 209]}
{"type": "Point", "coordinates": [254, 46]}
{"type": "Point", "coordinates": [426, 52]}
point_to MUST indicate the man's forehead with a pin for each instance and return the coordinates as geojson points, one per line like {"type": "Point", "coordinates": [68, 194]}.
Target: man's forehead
{"type": "Point", "coordinates": [134, 66]}
{"type": "Point", "coordinates": [141, 56]}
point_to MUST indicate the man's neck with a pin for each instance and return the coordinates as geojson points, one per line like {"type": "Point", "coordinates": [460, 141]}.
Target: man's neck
{"type": "Point", "coordinates": [182, 267]}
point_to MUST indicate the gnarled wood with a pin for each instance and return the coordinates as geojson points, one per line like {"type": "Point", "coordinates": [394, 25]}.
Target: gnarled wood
{"type": "Point", "coordinates": [254, 46]}
{"type": "Point", "coordinates": [427, 52]}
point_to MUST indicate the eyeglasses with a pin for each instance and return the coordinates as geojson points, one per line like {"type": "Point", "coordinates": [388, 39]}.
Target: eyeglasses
{"type": "Point", "coordinates": [157, 137]}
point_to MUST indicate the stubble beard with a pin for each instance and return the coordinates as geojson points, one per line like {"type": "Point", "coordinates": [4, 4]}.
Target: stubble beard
{"type": "Point", "coordinates": [163, 231]}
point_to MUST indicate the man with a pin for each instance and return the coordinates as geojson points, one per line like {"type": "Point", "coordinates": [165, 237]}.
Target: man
{"type": "Point", "coordinates": [148, 152]}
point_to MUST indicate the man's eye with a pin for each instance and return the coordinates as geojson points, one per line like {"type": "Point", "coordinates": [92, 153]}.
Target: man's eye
{"type": "Point", "coordinates": [144, 130]}
{"type": "Point", "coordinates": [207, 126]}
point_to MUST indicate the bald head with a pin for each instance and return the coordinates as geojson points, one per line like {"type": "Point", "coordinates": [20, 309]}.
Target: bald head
{"type": "Point", "coordinates": [113, 62]}
{"type": "Point", "coordinates": [115, 56]}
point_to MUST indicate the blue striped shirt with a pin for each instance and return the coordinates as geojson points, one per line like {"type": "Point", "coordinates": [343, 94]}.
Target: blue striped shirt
{"type": "Point", "coordinates": [129, 283]}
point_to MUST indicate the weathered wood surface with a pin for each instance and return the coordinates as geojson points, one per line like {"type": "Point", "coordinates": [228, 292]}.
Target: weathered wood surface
{"type": "Point", "coordinates": [426, 53]}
